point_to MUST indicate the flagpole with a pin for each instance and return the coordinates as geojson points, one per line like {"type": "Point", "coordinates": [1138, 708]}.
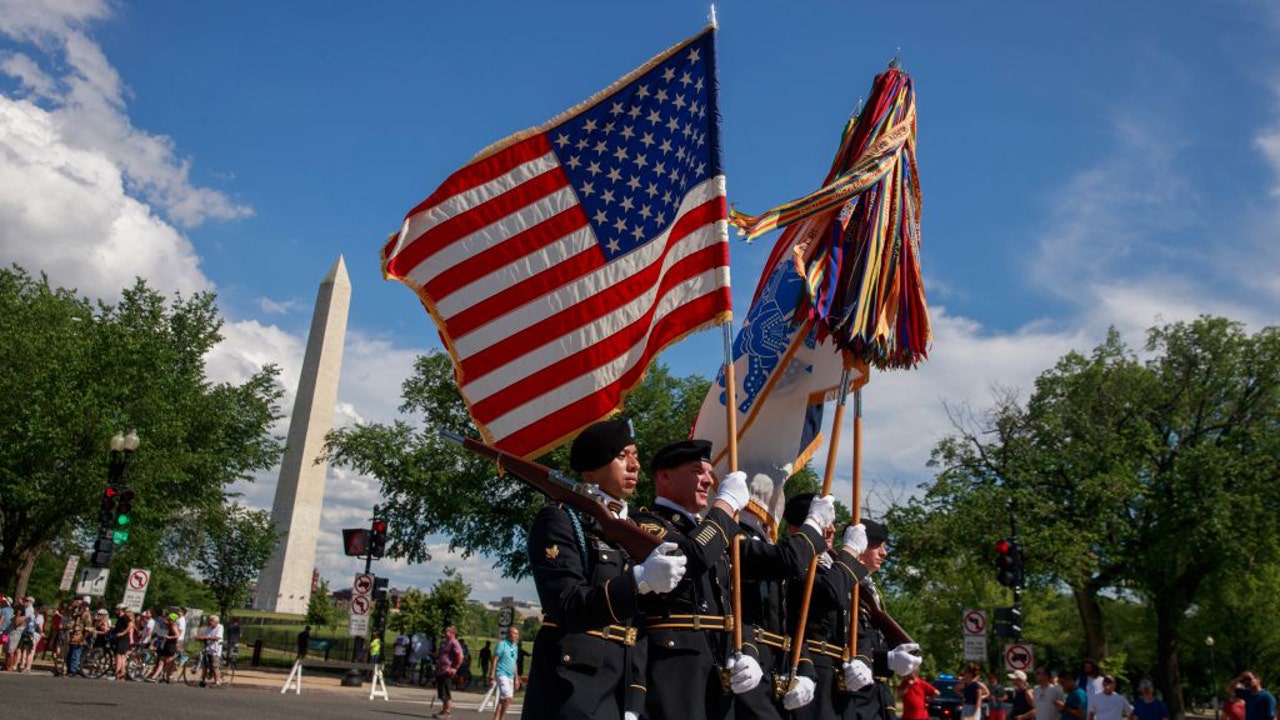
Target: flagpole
{"type": "Point", "coordinates": [852, 649]}
{"type": "Point", "coordinates": [731, 424]}
{"type": "Point", "coordinates": [827, 478]}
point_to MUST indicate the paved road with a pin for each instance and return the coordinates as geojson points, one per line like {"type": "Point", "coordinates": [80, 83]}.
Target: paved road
{"type": "Point", "coordinates": [254, 696]}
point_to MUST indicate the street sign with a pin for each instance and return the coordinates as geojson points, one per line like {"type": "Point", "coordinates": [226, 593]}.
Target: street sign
{"type": "Point", "coordinates": [135, 590]}
{"type": "Point", "coordinates": [506, 615]}
{"type": "Point", "coordinates": [358, 625]}
{"type": "Point", "coordinates": [93, 581]}
{"type": "Point", "coordinates": [363, 584]}
{"type": "Point", "coordinates": [975, 623]}
{"type": "Point", "coordinates": [69, 573]}
{"type": "Point", "coordinates": [1019, 656]}
{"type": "Point", "coordinates": [360, 605]}
{"type": "Point", "coordinates": [975, 647]}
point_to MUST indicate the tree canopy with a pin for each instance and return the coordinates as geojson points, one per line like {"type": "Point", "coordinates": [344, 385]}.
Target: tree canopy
{"type": "Point", "coordinates": [1129, 478]}
{"type": "Point", "coordinates": [72, 374]}
{"type": "Point", "coordinates": [235, 544]}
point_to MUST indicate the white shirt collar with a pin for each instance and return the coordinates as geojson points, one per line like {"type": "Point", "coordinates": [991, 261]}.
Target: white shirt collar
{"type": "Point", "coordinates": [616, 506]}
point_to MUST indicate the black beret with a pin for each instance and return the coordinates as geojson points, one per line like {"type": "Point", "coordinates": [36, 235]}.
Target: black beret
{"type": "Point", "coordinates": [679, 453]}
{"type": "Point", "coordinates": [797, 509]}
{"type": "Point", "coordinates": [877, 533]}
{"type": "Point", "coordinates": [600, 443]}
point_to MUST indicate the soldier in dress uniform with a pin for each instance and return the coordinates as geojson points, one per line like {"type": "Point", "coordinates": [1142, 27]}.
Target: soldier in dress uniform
{"type": "Point", "coordinates": [826, 626]}
{"type": "Point", "coordinates": [692, 669]}
{"type": "Point", "coordinates": [584, 657]}
{"type": "Point", "coordinates": [874, 701]}
{"type": "Point", "coordinates": [769, 565]}
{"type": "Point", "coordinates": [689, 631]}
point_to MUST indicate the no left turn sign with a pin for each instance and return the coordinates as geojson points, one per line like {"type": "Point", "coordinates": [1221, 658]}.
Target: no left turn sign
{"type": "Point", "coordinates": [360, 605]}
{"type": "Point", "coordinates": [138, 579]}
{"type": "Point", "coordinates": [975, 622]}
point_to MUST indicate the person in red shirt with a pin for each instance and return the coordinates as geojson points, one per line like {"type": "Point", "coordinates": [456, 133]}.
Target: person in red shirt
{"type": "Point", "coordinates": [915, 691]}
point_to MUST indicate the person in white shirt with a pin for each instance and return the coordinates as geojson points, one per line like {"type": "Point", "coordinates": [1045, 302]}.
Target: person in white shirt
{"type": "Point", "coordinates": [1110, 705]}
{"type": "Point", "coordinates": [211, 636]}
{"type": "Point", "coordinates": [1048, 696]}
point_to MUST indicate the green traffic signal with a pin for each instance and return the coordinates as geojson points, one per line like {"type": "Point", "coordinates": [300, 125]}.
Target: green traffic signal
{"type": "Point", "coordinates": [119, 537]}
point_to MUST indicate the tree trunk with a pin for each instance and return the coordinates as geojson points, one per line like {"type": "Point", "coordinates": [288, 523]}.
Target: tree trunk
{"type": "Point", "coordinates": [1091, 621]}
{"type": "Point", "coordinates": [26, 563]}
{"type": "Point", "coordinates": [1168, 677]}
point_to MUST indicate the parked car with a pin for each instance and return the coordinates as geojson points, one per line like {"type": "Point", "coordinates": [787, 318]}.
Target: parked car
{"type": "Point", "coordinates": [946, 704]}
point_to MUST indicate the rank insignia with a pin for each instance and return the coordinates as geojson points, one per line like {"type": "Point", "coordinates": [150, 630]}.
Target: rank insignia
{"type": "Point", "coordinates": [654, 529]}
{"type": "Point", "coordinates": [553, 552]}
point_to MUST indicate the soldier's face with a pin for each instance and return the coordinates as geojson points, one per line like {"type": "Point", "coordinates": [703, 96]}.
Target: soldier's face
{"type": "Point", "coordinates": [687, 485]}
{"type": "Point", "coordinates": [619, 477]}
{"type": "Point", "coordinates": [874, 557]}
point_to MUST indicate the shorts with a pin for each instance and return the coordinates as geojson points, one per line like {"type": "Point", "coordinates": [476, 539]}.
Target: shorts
{"type": "Point", "coordinates": [212, 660]}
{"type": "Point", "coordinates": [169, 648]}
{"type": "Point", "coordinates": [122, 645]}
{"type": "Point", "coordinates": [443, 683]}
{"type": "Point", "coordinates": [971, 712]}
{"type": "Point", "coordinates": [506, 687]}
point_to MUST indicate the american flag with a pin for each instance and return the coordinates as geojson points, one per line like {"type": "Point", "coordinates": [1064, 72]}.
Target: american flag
{"type": "Point", "coordinates": [559, 261]}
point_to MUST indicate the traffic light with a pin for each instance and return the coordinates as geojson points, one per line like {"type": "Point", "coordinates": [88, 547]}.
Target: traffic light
{"type": "Point", "coordinates": [1009, 563]}
{"type": "Point", "coordinates": [103, 547]}
{"type": "Point", "coordinates": [379, 589]}
{"type": "Point", "coordinates": [107, 514]}
{"type": "Point", "coordinates": [1009, 622]}
{"type": "Point", "coordinates": [378, 538]}
{"type": "Point", "coordinates": [355, 542]}
{"type": "Point", "coordinates": [123, 516]}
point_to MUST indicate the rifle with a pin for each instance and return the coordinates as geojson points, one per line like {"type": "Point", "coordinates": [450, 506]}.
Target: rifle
{"type": "Point", "coordinates": [635, 541]}
{"type": "Point", "coordinates": [894, 635]}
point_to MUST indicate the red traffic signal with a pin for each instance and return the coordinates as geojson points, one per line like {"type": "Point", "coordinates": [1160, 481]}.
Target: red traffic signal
{"type": "Point", "coordinates": [1008, 563]}
{"type": "Point", "coordinates": [378, 538]}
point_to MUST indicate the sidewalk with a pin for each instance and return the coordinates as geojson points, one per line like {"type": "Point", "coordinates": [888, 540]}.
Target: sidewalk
{"type": "Point", "coordinates": [316, 680]}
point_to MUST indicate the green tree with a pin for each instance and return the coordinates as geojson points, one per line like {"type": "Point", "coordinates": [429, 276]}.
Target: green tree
{"type": "Point", "coordinates": [447, 604]}
{"type": "Point", "coordinates": [234, 546]}
{"type": "Point", "coordinates": [433, 487]}
{"type": "Point", "coordinates": [321, 612]}
{"type": "Point", "coordinates": [73, 374]}
{"type": "Point", "coordinates": [1123, 473]}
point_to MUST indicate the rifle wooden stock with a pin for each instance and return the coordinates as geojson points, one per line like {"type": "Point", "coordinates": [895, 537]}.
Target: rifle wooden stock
{"type": "Point", "coordinates": [894, 635]}
{"type": "Point", "coordinates": [626, 534]}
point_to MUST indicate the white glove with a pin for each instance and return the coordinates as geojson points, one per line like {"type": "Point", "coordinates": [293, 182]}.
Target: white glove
{"type": "Point", "coordinates": [857, 674]}
{"type": "Point", "coordinates": [661, 571]}
{"type": "Point", "coordinates": [733, 490]}
{"type": "Point", "coordinates": [744, 673]}
{"type": "Point", "coordinates": [904, 659]}
{"type": "Point", "coordinates": [800, 695]}
{"type": "Point", "coordinates": [630, 715]}
{"type": "Point", "coordinates": [822, 512]}
{"type": "Point", "coordinates": [855, 538]}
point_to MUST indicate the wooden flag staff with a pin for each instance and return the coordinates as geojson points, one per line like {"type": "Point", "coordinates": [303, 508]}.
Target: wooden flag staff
{"type": "Point", "coordinates": [827, 479]}
{"type": "Point", "coordinates": [731, 424]}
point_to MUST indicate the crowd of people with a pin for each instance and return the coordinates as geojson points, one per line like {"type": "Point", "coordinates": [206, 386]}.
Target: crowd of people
{"type": "Point", "coordinates": [1089, 695]}
{"type": "Point", "coordinates": [66, 634]}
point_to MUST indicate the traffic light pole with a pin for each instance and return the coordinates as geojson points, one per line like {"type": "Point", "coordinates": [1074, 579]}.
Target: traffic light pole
{"type": "Point", "coordinates": [1013, 535]}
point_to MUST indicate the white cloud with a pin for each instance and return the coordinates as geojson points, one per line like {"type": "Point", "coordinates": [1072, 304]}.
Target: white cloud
{"type": "Point", "coordinates": [280, 307]}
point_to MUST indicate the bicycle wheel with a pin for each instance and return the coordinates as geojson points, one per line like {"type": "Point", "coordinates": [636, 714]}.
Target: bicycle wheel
{"type": "Point", "coordinates": [192, 671]}
{"type": "Point", "coordinates": [139, 662]}
{"type": "Point", "coordinates": [228, 672]}
{"type": "Point", "coordinates": [95, 663]}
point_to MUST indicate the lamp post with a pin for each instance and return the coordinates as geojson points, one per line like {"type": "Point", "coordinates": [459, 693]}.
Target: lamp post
{"type": "Point", "coordinates": [1213, 677]}
{"type": "Point", "coordinates": [122, 449]}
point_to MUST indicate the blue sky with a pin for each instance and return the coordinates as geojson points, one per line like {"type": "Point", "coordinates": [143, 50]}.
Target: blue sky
{"type": "Point", "coordinates": [1083, 165]}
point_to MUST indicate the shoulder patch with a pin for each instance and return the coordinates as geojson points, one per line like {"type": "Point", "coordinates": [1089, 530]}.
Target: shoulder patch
{"type": "Point", "coordinates": [654, 529]}
{"type": "Point", "coordinates": [553, 552]}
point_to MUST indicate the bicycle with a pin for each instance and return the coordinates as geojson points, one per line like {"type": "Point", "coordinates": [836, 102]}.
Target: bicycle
{"type": "Point", "coordinates": [97, 661]}
{"type": "Point", "coordinates": [196, 671]}
{"type": "Point", "coordinates": [139, 661]}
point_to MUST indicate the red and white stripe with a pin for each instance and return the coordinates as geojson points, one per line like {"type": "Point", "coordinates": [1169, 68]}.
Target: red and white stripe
{"type": "Point", "coordinates": [546, 334]}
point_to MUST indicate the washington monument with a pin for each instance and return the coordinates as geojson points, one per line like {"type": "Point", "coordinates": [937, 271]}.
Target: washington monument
{"type": "Point", "coordinates": [285, 583]}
